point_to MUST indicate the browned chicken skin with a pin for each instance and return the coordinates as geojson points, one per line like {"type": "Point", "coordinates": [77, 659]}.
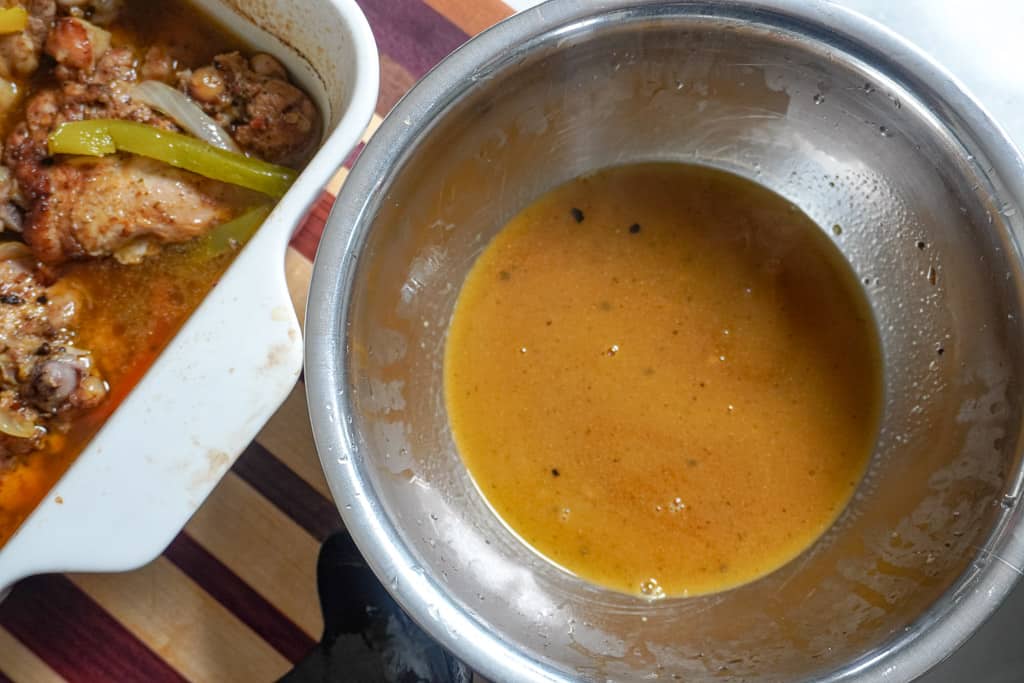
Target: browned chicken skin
{"type": "Point", "coordinates": [65, 218]}
{"type": "Point", "coordinates": [44, 380]}
{"type": "Point", "coordinates": [123, 205]}
{"type": "Point", "coordinates": [253, 100]}
{"type": "Point", "coordinates": [77, 44]}
{"type": "Point", "coordinates": [19, 52]}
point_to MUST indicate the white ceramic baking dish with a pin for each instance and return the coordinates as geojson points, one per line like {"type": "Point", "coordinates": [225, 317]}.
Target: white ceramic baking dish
{"type": "Point", "coordinates": [235, 360]}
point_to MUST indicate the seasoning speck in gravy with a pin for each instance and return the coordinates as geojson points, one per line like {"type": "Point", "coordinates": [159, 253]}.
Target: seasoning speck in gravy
{"type": "Point", "coordinates": [664, 378]}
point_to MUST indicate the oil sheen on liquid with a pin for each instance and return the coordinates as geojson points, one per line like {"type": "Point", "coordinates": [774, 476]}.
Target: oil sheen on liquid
{"type": "Point", "coordinates": [664, 378]}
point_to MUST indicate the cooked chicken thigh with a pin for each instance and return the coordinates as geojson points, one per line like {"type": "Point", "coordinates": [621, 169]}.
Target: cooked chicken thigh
{"type": "Point", "coordinates": [20, 52]}
{"type": "Point", "coordinates": [253, 100]}
{"type": "Point", "coordinates": [121, 206]}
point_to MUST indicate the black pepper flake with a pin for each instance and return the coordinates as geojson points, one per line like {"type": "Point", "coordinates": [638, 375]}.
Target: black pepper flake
{"type": "Point", "coordinates": [555, 472]}
{"type": "Point", "coordinates": [577, 215]}
{"type": "Point", "coordinates": [43, 350]}
{"type": "Point", "coordinates": [940, 351]}
{"type": "Point", "coordinates": [11, 299]}
{"type": "Point", "coordinates": [634, 229]}
{"type": "Point", "coordinates": [42, 299]}
{"type": "Point", "coordinates": [921, 245]}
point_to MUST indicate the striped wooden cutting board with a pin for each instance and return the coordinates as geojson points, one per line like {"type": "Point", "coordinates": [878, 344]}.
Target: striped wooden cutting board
{"type": "Point", "coordinates": [234, 596]}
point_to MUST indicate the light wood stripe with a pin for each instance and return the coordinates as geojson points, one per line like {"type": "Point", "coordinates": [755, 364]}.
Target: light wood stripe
{"type": "Point", "coordinates": [472, 16]}
{"type": "Point", "coordinates": [22, 665]}
{"type": "Point", "coordinates": [289, 437]}
{"type": "Point", "coordinates": [297, 272]}
{"type": "Point", "coordinates": [166, 620]}
{"type": "Point", "coordinates": [266, 549]}
{"type": "Point", "coordinates": [334, 187]}
{"type": "Point", "coordinates": [374, 124]}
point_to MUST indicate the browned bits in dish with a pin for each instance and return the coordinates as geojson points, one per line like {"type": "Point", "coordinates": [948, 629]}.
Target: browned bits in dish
{"type": "Point", "coordinates": [105, 251]}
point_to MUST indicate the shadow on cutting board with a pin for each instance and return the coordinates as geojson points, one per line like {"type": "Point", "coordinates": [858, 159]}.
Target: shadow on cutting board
{"type": "Point", "coordinates": [367, 637]}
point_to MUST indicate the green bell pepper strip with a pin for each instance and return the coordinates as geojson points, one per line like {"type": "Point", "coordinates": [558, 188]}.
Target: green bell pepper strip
{"type": "Point", "coordinates": [99, 137]}
{"type": "Point", "coordinates": [234, 233]}
{"type": "Point", "coordinates": [13, 20]}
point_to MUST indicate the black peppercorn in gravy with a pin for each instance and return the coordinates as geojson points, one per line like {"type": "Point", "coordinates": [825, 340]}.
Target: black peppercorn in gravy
{"type": "Point", "coordinates": [664, 378]}
{"type": "Point", "coordinates": [142, 146]}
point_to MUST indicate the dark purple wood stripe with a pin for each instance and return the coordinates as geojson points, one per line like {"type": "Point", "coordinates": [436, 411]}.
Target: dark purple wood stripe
{"type": "Point", "coordinates": [76, 637]}
{"type": "Point", "coordinates": [353, 155]}
{"type": "Point", "coordinates": [412, 33]}
{"type": "Point", "coordinates": [4, 678]}
{"type": "Point", "coordinates": [228, 589]}
{"type": "Point", "coordinates": [288, 491]}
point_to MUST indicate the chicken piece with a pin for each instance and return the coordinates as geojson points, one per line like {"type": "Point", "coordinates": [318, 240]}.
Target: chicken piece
{"type": "Point", "coordinates": [103, 92]}
{"type": "Point", "coordinates": [10, 216]}
{"type": "Point", "coordinates": [77, 44]}
{"type": "Point", "coordinates": [255, 103]}
{"type": "Point", "coordinates": [44, 379]}
{"type": "Point", "coordinates": [125, 206]}
{"type": "Point", "coordinates": [19, 52]}
{"type": "Point", "coordinates": [159, 65]}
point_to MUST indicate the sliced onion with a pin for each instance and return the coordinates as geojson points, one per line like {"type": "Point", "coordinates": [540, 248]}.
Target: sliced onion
{"type": "Point", "coordinates": [185, 113]}
{"type": "Point", "coordinates": [13, 424]}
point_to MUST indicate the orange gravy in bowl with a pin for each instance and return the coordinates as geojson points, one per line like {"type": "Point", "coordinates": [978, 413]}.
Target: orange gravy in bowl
{"type": "Point", "coordinates": [664, 378]}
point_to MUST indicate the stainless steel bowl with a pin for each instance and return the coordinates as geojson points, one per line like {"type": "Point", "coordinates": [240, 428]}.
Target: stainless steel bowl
{"type": "Point", "coordinates": [820, 105]}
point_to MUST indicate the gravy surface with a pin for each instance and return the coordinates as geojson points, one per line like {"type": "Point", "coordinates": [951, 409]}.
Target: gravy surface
{"type": "Point", "coordinates": [664, 378]}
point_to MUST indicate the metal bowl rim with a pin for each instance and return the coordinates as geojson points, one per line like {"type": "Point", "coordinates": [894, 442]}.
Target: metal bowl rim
{"type": "Point", "coordinates": [947, 623]}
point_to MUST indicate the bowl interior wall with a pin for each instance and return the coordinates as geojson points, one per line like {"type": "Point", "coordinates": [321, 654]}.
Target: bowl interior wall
{"type": "Point", "coordinates": [921, 226]}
